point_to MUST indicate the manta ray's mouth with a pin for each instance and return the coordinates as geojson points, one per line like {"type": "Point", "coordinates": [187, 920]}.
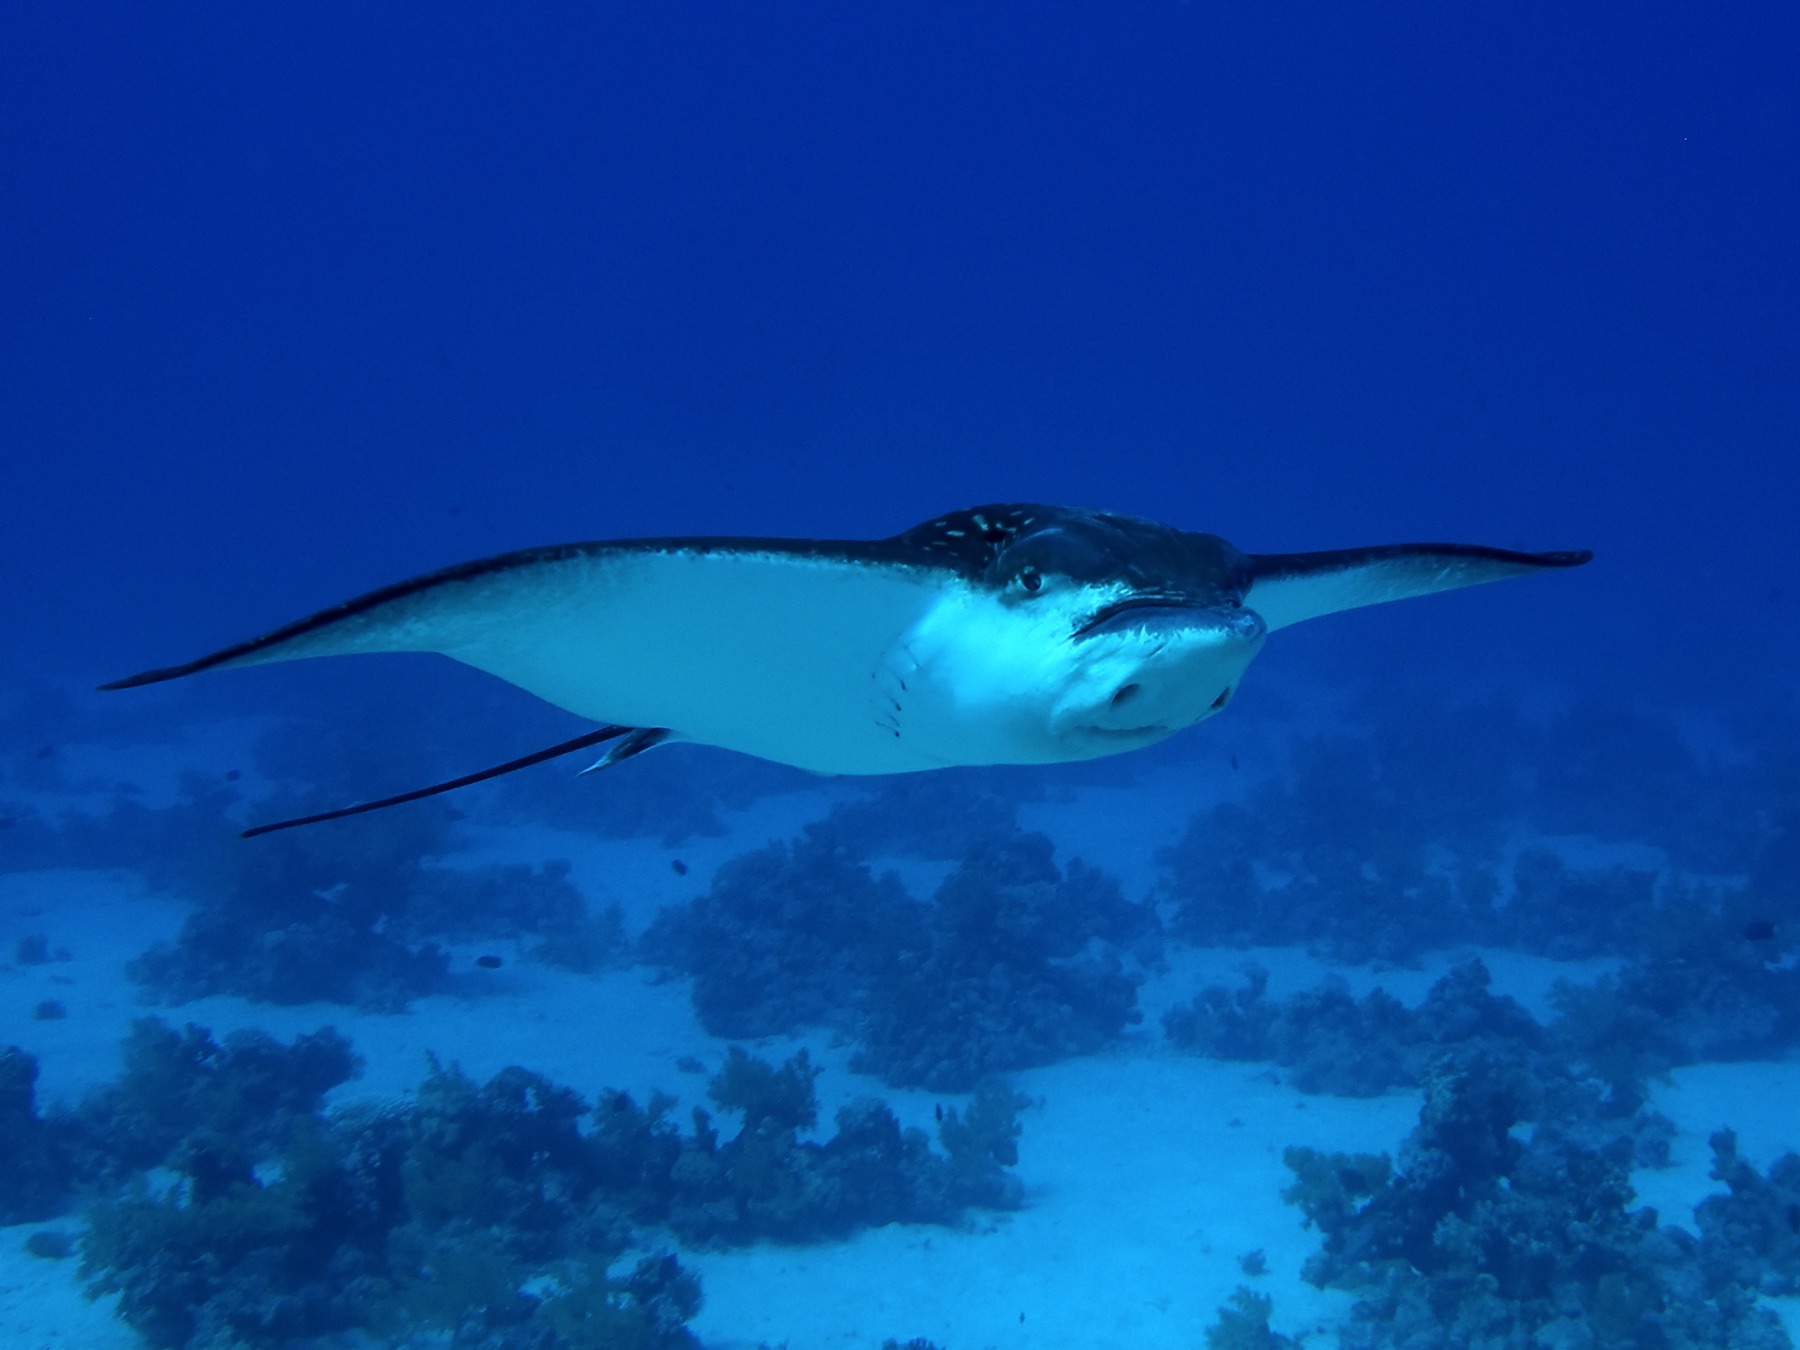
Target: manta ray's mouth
{"type": "Point", "coordinates": [1131, 610]}
{"type": "Point", "coordinates": [1107, 616]}
{"type": "Point", "coordinates": [1148, 731]}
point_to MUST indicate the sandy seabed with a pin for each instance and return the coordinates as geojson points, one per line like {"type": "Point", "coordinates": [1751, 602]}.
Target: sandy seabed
{"type": "Point", "coordinates": [1149, 1174]}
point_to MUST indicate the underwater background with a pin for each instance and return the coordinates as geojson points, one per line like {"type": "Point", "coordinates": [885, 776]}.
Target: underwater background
{"type": "Point", "coordinates": [1444, 991]}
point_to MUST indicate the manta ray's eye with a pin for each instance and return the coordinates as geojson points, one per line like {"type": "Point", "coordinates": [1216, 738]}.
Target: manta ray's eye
{"type": "Point", "coordinates": [1031, 581]}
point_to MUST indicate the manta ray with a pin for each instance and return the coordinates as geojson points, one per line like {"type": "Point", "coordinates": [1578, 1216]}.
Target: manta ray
{"type": "Point", "coordinates": [1010, 634]}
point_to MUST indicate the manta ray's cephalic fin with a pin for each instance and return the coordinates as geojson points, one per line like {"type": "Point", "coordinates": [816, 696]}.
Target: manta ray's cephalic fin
{"type": "Point", "coordinates": [636, 736]}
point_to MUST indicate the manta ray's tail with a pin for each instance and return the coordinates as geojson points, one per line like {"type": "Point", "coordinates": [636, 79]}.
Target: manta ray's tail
{"type": "Point", "coordinates": [628, 743]}
{"type": "Point", "coordinates": [1289, 587]}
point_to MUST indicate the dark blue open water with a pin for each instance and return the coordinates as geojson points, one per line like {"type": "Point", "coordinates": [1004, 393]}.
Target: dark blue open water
{"type": "Point", "coordinates": [296, 301]}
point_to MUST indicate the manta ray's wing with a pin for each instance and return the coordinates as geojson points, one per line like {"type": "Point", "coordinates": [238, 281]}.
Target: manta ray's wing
{"type": "Point", "coordinates": [764, 646]}
{"type": "Point", "coordinates": [760, 645]}
{"type": "Point", "coordinates": [1287, 588]}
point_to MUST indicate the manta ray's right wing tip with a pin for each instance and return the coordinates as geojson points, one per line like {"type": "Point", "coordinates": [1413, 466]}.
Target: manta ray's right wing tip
{"type": "Point", "coordinates": [144, 677]}
{"type": "Point", "coordinates": [1287, 588]}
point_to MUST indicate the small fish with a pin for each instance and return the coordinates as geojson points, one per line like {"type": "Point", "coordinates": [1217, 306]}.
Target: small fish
{"type": "Point", "coordinates": [1234, 763]}
{"type": "Point", "coordinates": [1760, 930]}
{"type": "Point", "coordinates": [232, 775]}
{"type": "Point", "coordinates": [681, 868]}
{"type": "Point", "coordinates": [488, 962]}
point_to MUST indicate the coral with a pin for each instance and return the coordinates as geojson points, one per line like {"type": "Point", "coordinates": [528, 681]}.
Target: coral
{"type": "Point", "coordinates": [763, 1095]}
{"type": "Point", "coordinates": [647, 1310]}
{"type": "Point", "coordinates": [1587, 1072]}
{"type": "Point", "coordinates": [1332, 1042]}
{"type": "Point", "coordinates": [179, 847]}
{"type": "Point", "coordinates": [437, 1214]}
{"type": "Point", "coordinates": [507, 1156]}
{"type": "Point", "coordinates": [297, 917]}
{"type": "Point", "coordinates": [1332, 1188]}
{"type": "Point", "coordinates": [458, 1278]}
{"type": "Point", "coordinates": [1752, 1231]}
{"type": "Point", "coordinates": [493, 1212]}
{"type": "Point", "coordinates": [351, 914]}
{"type": "Point", "coordinates": [941, 816]}
{"type": "Point", "coordinates": [1022, 967]}
{"type": "Point", "coordinates": [1335, 859]}
{"type": "Point", "coordinates": [251, 1089]}
{"type": "Point", "coordinates": [331, 955]}
{"type": "Point", "coordinates": [35, 1170]}
{"type": "Point", "coordinates": [1015, 962]}
{"type": "Point", "coordinates": [767, 1182]}
{"type": "Point", "coordinates": [359, 931]}
{"type": "Point", "coordinates": [1477, 1236]}
{"type": "Point", "coordinates": [291, 924]}
{"type": "Point", "coordinates": [982, 1142]}
{"type": "Point", "coordinates": [1335, 1043]}
{"type": "Point", "coordinates": [1007, 897]}
{"type": "Point", "coordinates": [637, 1151]}
{"type": "Point", "coordinates": [1244, 1324]}
{"type": "Point", "coordinates": [787, 936]}
{"type": "Point", "coordinates": [1560, 912]}
{"type": "Point", "coordinates": [1710, 993]}
{"type": "Point", "coordinates": [945, 1024]}
{"type": "Point", "coordinates": [221, 1257]}
{"type": "Point", "coordinates": [1380, 846]}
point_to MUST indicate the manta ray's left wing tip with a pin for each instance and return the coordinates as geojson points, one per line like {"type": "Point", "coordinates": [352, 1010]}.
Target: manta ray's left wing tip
{"type": "Point", "coordinates": [285, 643]}
{"type": "Point", "coordinates": [239, 653]}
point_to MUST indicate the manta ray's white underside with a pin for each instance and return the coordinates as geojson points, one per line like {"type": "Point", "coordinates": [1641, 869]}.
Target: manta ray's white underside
{"type": "Point", "coordinates": [774, 655]}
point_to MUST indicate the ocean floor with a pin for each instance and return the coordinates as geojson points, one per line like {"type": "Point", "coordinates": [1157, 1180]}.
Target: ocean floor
{"type": "Point", "coordinates": [1149, 1174]}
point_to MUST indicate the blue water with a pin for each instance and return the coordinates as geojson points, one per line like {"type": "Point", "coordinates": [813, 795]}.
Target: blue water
{"type": "Point", "coordinates": [301, 301]}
